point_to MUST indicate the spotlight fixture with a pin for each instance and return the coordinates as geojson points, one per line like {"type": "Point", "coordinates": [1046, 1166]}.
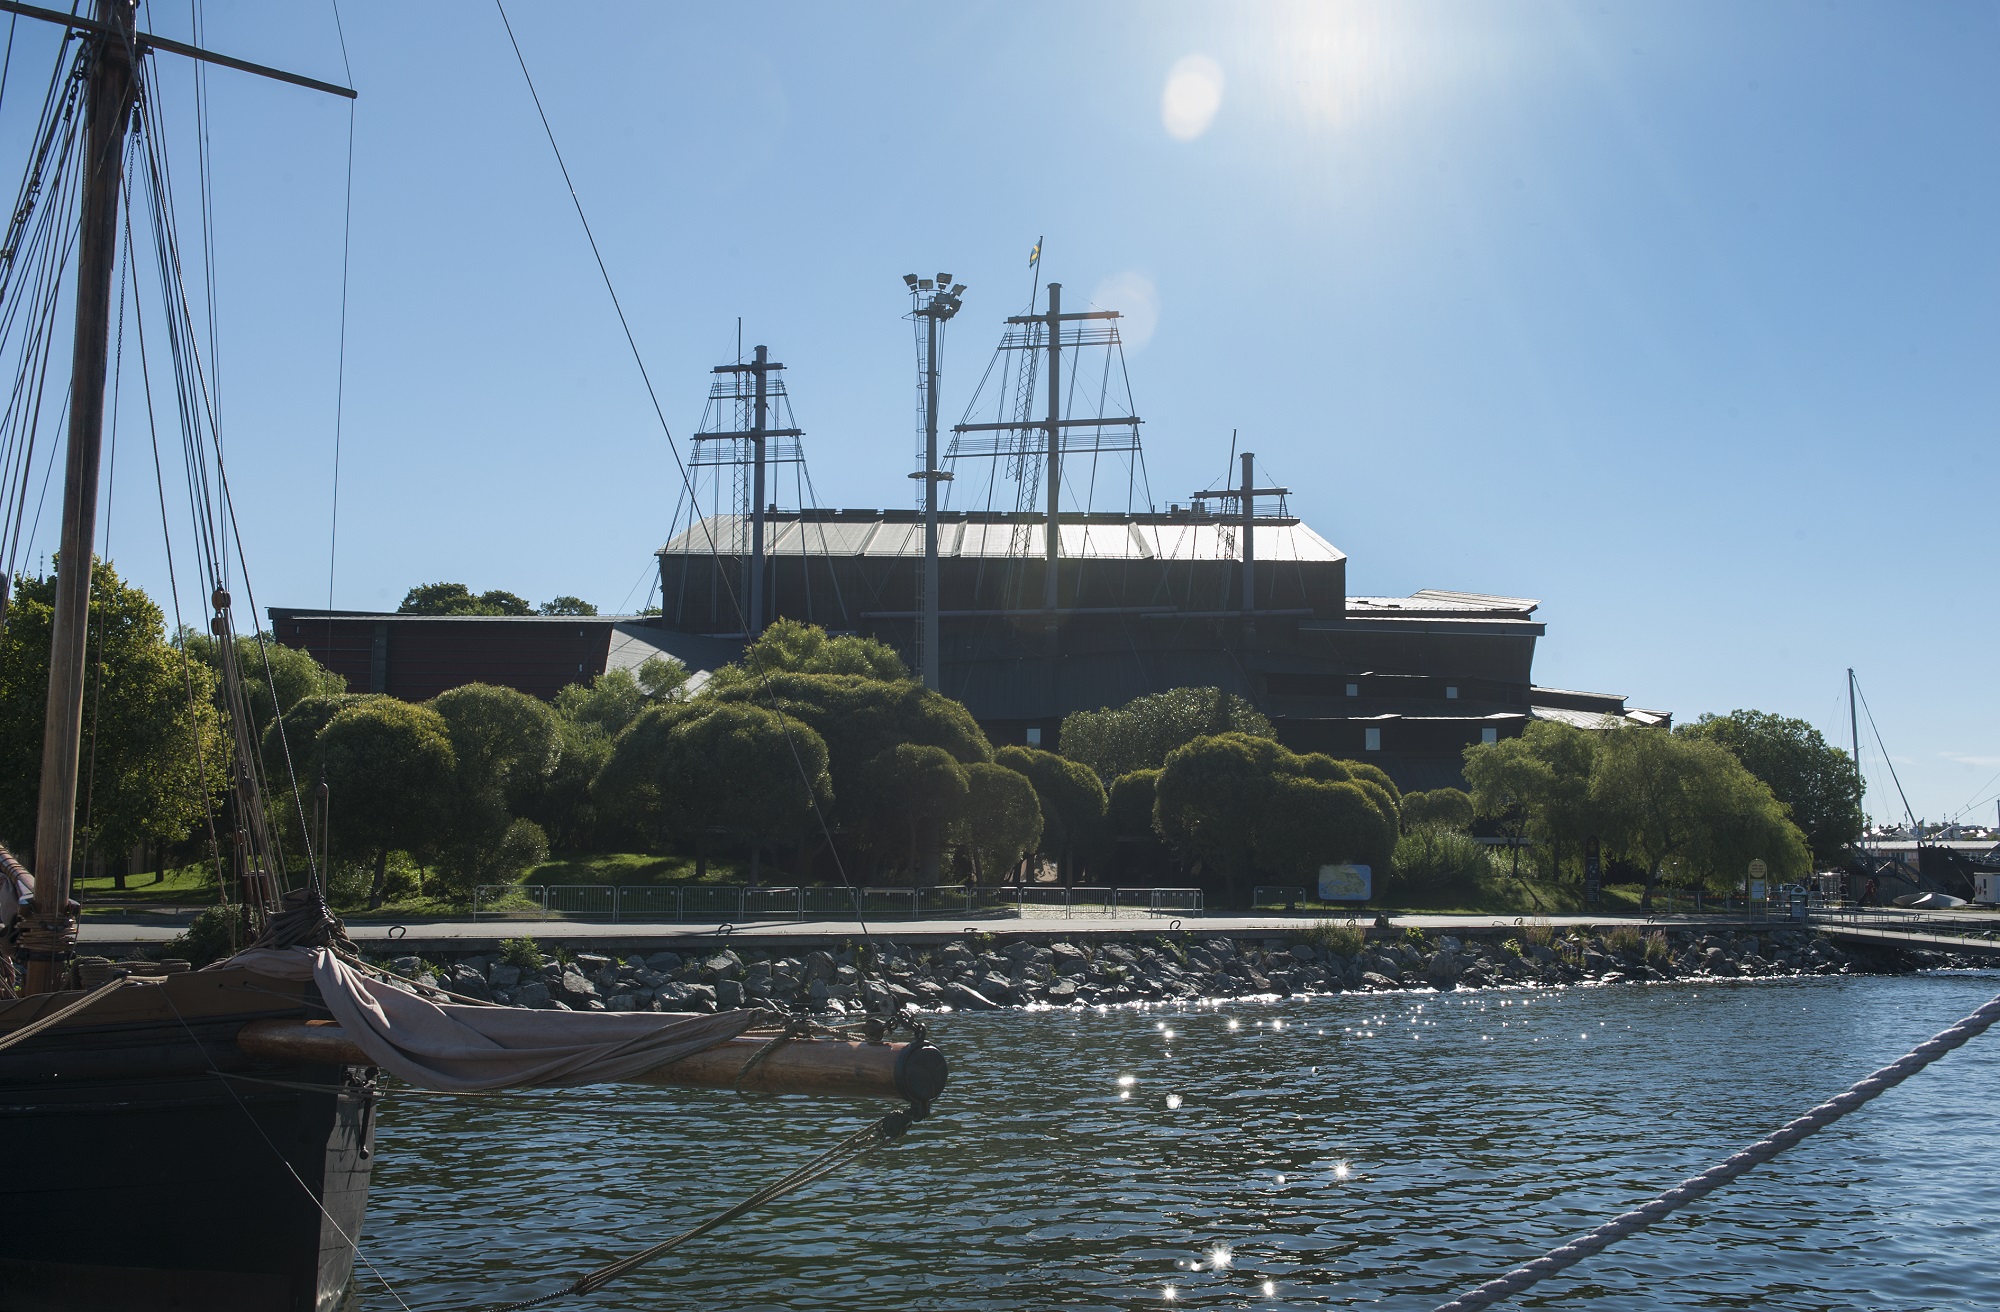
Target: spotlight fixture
{"type": "Point", "coordinates": [911, 280]}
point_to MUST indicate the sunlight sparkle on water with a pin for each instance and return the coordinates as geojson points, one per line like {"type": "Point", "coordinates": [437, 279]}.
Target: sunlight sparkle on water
{"type": "Point", "coordinates": [1270, 1288]}
{"type": "Point", "coordinates": [1235, 1023]}
{"type": "Point", "coordinates": [1341, 1170]}
{"type": "Point", "coordinates": [1127, 1081]}
{"type": "Point", "coordinates": [1173, 1102]}
{"type": "Point", "coordinates": [1220, 1256]}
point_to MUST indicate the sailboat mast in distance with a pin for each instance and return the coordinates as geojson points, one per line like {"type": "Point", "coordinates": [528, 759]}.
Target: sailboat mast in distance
{"type": "Point", "coordinates": [51, 932]}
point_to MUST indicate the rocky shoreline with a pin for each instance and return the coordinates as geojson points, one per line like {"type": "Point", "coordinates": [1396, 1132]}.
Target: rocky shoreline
{"type": "Point", "coordinates": [980, 972]}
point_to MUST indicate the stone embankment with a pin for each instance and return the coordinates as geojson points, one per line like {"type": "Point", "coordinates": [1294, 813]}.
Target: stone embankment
{"type": "Point", "coordinates": [980, 972]}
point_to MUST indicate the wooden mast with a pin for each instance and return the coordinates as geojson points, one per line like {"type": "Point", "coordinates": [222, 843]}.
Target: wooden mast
{"type": "Point", "coordinates": [51, 933]}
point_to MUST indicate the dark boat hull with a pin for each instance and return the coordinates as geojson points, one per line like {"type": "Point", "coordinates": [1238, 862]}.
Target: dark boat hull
{"type": "Point", "coordinates": [149, 1163]}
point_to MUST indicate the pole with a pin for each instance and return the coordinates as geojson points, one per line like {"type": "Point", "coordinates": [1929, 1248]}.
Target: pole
{"type": "Point", "coordinates": [51, 933]}
{"type": "Point", "coordinates": [1247, 503]}
{"type": "Point", "coordinates": [930, 632]}
{"type": "Point", "coordinates": [1854, 731]}
{"type": "Point", "coordinates": [755, 621]}
{"type": "Point", "coordinates": [1053, 551]}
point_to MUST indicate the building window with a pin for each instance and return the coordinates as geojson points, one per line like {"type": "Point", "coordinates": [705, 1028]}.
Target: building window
{"type": "Point", "coordinates": [1451, 692]}
{"type": "Point", "coordinates": [1353, 690]}
{"type": "Point", "coordinates": [1371, 739]}
{"type": "Point", "coordinates": [1034, 735]}
{"type": "Point", "coordinates": [1489, 734]}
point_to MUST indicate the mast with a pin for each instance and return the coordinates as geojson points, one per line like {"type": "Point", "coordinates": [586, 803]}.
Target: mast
{"type": "Point", "coordinates": [759, 423]}
{"type": "Point", "coordinates": [935, 303]}
{"type": "Point", "coordinates": [1854, 730]}
{"type": "Point", "coordinates": [1247, 504]}
{"type": "Point", "coordinates": [1053, 548]}
{"type": "Point", "coordinates": [51, 932]}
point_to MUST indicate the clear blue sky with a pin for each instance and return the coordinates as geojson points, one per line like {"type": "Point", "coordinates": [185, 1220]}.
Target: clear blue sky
{"type": "Point", "coordinates": [1679, 317]}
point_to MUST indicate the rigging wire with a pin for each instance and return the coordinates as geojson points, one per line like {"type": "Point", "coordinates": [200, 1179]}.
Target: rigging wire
{"type": "Point", "coordinates": [1869, 711]}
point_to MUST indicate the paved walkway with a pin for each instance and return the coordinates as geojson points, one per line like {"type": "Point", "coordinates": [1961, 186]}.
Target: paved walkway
{"type": "Point", "coordinates": [485, 935]}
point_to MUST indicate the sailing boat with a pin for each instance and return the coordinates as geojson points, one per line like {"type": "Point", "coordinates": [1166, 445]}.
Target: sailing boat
{"type": "Point", "coordinates": [205, 1139]}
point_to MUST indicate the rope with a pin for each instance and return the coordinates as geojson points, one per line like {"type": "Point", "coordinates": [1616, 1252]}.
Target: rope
{"type": "Point", "coordinates": [1520, 1279]}
{"type": "Point", "coordinates": [61, 1014]}
{"type": "Point", "coordinates": [850, 1149]}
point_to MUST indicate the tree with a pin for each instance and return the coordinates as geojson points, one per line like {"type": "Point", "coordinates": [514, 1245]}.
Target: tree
{"type": "Point", "coordinates": [921, 790]}
{"type": "Point", "coordinates": [153, 755]}
{"type": "Point", "coordinates": [1673, 801]}
{"type": "Point", "coordinates": [1538, 786]}
{"type": "Point", "coordinates": [792, 647]}
{"type": "Point", "coordinates": [1139, 734]}
{"type": "Point", "coordinates": [566, 605]}
{"type": "Point", "coordinates": [457, 599]}
{"type": "Point", "coordinates": [1001, 821]}
{"type": "Point", "coordinates": [1072, 801]}
{"type": "Point", "coordinates": [687, 773]}
{"type": "Point", "coordinates": [504, 744]}
{"type": "Point", "coordinates": [389, 767]}
{"type": "Point", "coordinates": [1238, 808]}
{"type": "Point", "coordinates": [1445, 808]}
{"type": "Point", "coordinates": [1816, 780]}
{"type": "Point", "coordinates": [265, 665]}
{"type": "Point", "coordinates": [1129, 816]}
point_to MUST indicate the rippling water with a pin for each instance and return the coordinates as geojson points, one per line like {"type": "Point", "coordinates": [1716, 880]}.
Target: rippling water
{"type": "Point", "coordinates": [1353, 1150]}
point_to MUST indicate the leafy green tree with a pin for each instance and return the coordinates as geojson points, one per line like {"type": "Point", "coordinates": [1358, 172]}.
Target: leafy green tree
{"type": "Point", "coordinates": [1671, 802]}
{"type": "Point", "coordinates": [920, 791]}
{"type": "Point", "coordinates": [153, 759]}
{"type": "Point", "coordinates": [1001, 821]}
{"type": "Point", "coordinates": [743, 773]}
{"type": "Point", "coordinates": [1446, 808]}
{"type": "Point", "coordinates": [1816, 780]}
{"type": "Point", "coordinates": [389, 766]}
{"type": "Point", "coordinates": [1238, 808]}
{"type": "Point", "coordinates": [504, 744]}
{"type": "Point", "coordinates": [588, 718]}
{"type": "Point", "coordinates": [457, 599]}
{"type": "Point", "coordinates": [792, 647]}
{"type": "Point", "coordinates": [1139, 734]}
{"type": "Point", "coordinates": [566, 605]}
{"type": "Point", "coordinates": [1538, 786]}
{"type": "Point", "coordinates": [1138, 850]}
{"type": "Point", "coordinates": [1072, 799]}
{"type": "Point", "coordinates": [265, 665]}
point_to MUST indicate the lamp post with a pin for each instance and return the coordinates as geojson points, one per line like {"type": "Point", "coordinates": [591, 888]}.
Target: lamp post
{"type": "Point", "coordinates": [935, 302]}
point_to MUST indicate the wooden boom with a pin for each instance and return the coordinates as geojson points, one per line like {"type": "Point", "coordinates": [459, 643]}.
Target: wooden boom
{"type": "Point", "coordinates": [828, 1068]}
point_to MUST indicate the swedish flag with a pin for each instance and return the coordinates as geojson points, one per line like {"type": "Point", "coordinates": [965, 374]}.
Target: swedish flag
{"type": "Point", "coordinates": [1035, 255]}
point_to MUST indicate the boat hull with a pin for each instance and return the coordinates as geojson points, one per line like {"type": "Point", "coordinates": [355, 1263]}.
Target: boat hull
{"type": "Point", "coordinates": [151, 1164]}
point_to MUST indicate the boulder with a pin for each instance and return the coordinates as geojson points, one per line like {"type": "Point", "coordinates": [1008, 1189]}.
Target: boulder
{"type": "Point", "coordinates": [532, 994]}
{"type": "Point", "coordinates": [728, 993]}
{"type": "Point", "coordinates": [967, 998]}
{"type": "Point", "coordinates": [1061, 993]}
{"type": "Point", "coordinates": [724, 965]}
{"type": "Point", "coordinates": [503, 976]}
{"type": "Point", "coordinates": [1378, 981]}
{"type": "Point", "coordinates": [591, 962]}
{"type": "Point", "coordinates": [574, 988]}
{"type": "Point", "coordinates": [665, 962]}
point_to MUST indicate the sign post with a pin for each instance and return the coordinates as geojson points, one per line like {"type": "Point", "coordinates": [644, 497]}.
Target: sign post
{"type": "Point", "coordinates": [1345, 883]}
{"type": "Point", "coordinates": [1593, 870]}
{"type": "Point", "coordinates": [1758, 871]}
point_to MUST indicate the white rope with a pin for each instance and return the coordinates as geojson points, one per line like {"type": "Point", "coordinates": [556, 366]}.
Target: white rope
{"type": "Point", "coordinates": [61, 1014]}
{"type": "Point", "coordinates": [1518, 1280]}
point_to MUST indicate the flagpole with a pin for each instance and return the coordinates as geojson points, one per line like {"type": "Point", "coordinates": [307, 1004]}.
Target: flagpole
{"type": "Point", "coordinates": [1035, 270]}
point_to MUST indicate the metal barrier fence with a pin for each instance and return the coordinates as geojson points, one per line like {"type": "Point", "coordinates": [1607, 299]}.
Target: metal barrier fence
{"type": "Point", "coordinates": [740, 904]}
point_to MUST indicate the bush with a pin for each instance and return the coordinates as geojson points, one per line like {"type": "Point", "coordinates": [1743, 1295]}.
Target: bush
{"type": "Point", "coordinates": [1538, 933]}
{"type": "Point", "coordinates": [1343, 938]}
{"type": "Point", "coordinates": [1441, 806]}
{"type": "Point", "coordinates": [1433, 861]}
{"type": "Point", "coordinates": [1658, 951]}
{"type": "Point", "coordinates": [523, 953]}
{"type": "Point", "coordinates": [1626, 939]}
{"type": "Point", "coordinates": [216, 932]}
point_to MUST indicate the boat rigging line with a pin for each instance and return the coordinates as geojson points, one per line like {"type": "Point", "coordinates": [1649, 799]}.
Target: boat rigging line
{"type": "Point", "coordinates": [1700, 1186]}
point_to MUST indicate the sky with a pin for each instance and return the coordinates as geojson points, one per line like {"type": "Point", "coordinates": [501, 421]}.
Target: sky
{"type": "Point", "coordinates": [1678, 317]}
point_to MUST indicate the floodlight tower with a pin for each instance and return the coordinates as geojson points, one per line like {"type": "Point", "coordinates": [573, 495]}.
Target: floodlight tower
{"type": "Point", "coordinates": [934, 302]}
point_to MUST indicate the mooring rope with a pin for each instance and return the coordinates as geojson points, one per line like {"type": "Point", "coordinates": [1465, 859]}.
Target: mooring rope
{"type": "Point", "coordinates": [1520, 1279]}
{"type": "Point", "coordinates": [850, 1149]}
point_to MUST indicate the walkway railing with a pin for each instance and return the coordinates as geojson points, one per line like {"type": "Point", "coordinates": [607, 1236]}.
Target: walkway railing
{"type": "Point", "coordinates": [741, 903]}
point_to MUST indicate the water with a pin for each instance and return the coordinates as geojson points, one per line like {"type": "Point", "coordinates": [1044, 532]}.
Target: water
{"type": "Point", "coordinates": [1332, 1152]}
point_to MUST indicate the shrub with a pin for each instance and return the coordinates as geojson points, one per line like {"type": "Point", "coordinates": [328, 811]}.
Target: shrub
{"type": "Point", "coordinates": [1658, 951]}
{"type": "Point", "coordinates": [1626, 939]}
{"type": "Point", "coordinates": [216, 932]}
{"type": "Point", "coordinates": [1448, 807]}
{"type": "Point", "coordinates": [1538, 933]}
{"type": "Point", "coordinates": [1432, 860]}
{"type": "Point", "coordinates": [1343, 938]}
{"type": "Point", "coordinates": [524, 953]}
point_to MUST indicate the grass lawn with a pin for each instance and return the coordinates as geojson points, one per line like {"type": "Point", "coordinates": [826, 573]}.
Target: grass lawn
{"type": "Point", "coordinates": [189, 886]}
{"type": "Point", "coordinates": [638, 868]}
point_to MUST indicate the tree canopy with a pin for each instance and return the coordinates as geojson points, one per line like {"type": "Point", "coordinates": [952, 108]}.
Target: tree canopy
{"type": "Point", "coordinates": [1817, 781]}
{"type": "Point", "coordinates": [793, 647]}
{"type": "Point", "coordinates": [457, 599]}
{"type": "Point", "coordinates": [566, 605]}
{"type": "Point", "coordinates": [1072, 801]}
{"type": "Point", "coordinates": [385, 762]}
{"type": "Point", "coordinates": [153, 754]}
{"type": "Point", "coordinates": [1446, 808]}
{"type": "Point", "coordinates": [1239, 808]}
{"type": "Point", "coordinates": [1139, 734]}
{"type": "Point", "coordinates": [1002, 819]}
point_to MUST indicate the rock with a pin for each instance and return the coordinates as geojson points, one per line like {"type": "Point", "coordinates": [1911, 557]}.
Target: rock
{"type": "Point", "coordinates": [504, 976]}
{"type": "Point", "coordinates": [1378, 981]}
{"type": "Point", "coordinates": [665, 962]}
{"type": "Point", "coordinates": [622, 1002]}
{"type": "Point", "coordinates": [407, 966]}
{"type": "Point", "coordinates": [996, 987]}
{"type": "Point", "coordinates": [574, 988]}
{"type": "Point", "coordinates": [591, 962]}
{"type": "Point", "coordinates": [724, 965]}
{"type": "Point", "coordinates": [1612, 977]}
{"type": "Point", "coordinates": [1305, 952]}
{"type": "Point", "coordinates": [846, 975]}
{"type": "Point", "coordinates": [532, 994]}
{"type": "Point", "coordinates": [1069, 960]}
{"type": "Point", "coordinates": [728, 993]}
{"type": "Point", "coordinates": [1446, 943]}
{"type": "Point", "coordinates": [967, 998]}
{"type": "Point", "coordinates": [819, 965]}
{"type": "Point", "coordinates": [1061, 993]}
